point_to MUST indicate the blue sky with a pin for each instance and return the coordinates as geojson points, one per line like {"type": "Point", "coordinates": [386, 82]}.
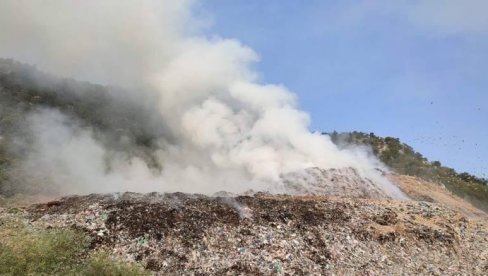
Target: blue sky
{"type": "Point", "coordinates": [416, 70]}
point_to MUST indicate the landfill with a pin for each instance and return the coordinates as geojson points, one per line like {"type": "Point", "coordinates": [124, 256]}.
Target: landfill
{"type": "Point", "coordinates": [265, 234]}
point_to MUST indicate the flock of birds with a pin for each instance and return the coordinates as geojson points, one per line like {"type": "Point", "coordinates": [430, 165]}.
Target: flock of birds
{"type": "Point", "coordinates": [460, 145]}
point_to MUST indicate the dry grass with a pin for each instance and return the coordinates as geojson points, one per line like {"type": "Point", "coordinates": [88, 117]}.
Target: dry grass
{"type": "Point", "coordinates": [26, 250]}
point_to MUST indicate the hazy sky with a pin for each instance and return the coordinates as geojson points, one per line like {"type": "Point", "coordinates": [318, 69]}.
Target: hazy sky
{"type": "Point", "coordinates": [416, 70]}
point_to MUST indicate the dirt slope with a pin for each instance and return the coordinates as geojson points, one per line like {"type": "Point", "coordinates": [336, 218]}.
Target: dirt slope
{"type": "Point", "coordinates": [421, 190]}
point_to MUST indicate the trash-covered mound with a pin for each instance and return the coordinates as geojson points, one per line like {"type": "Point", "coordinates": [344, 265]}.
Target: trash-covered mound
{"type": "Point", "coordinates": [267, 234]}
{"type": "Point", "coordinates": [339, 182]}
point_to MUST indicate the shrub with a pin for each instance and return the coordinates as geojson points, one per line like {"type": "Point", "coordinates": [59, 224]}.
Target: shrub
{"type": "Point", "coordinates": [25, 250]}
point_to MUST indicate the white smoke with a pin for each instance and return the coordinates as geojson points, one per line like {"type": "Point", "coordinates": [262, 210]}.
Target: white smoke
{"type": "Point", "coordinates": [232, 132]}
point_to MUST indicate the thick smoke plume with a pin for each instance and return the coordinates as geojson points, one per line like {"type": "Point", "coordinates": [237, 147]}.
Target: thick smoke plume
{"type": "Point", "coordinates": [211, 122]}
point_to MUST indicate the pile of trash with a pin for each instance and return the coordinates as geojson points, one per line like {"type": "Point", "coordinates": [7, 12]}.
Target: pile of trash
{"type": "Point", "coordinates": [273, 234]}
{"type": "Point", "coordinates": [336, 182]}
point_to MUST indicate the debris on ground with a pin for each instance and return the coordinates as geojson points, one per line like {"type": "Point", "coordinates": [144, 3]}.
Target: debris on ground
{"type": "Point", "coordinates": [273, 234]}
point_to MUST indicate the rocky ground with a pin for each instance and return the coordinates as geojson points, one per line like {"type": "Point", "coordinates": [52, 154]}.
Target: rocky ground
{"type": "Point", "coordinates": [273, 234]}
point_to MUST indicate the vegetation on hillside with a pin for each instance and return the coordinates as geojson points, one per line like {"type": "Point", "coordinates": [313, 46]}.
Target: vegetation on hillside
{"type": "Point", "coordinates": [403, 159]}
{"type": "Point", "coordinates": [25, 90]}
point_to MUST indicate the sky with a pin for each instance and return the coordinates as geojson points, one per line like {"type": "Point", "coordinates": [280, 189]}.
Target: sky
{"type": "Point", "coordinates": [416, 70]}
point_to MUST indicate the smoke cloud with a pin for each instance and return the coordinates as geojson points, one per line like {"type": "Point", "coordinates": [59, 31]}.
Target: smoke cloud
{"type": "Point", "coordinates": [214, 124]}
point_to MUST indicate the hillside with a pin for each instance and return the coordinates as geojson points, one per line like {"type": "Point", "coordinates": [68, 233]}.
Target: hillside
{"type": "Point", "coordinates": [403, 159]}
{"type": "Point", "coordinates": [332, 221]}
{"type": "Point", "coordinates": [24, 89]}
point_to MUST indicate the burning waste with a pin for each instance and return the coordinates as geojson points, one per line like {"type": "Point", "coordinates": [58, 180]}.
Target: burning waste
{"type": "Point", "coordinates": [192, 114]}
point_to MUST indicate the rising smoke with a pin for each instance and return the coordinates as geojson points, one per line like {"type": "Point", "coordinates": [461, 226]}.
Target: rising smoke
{"type": "Point", "coordinates": [213, 124]}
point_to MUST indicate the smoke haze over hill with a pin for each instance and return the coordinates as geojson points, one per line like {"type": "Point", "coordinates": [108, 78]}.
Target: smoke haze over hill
{"type": "Point", "coordinates": [208, 122]}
